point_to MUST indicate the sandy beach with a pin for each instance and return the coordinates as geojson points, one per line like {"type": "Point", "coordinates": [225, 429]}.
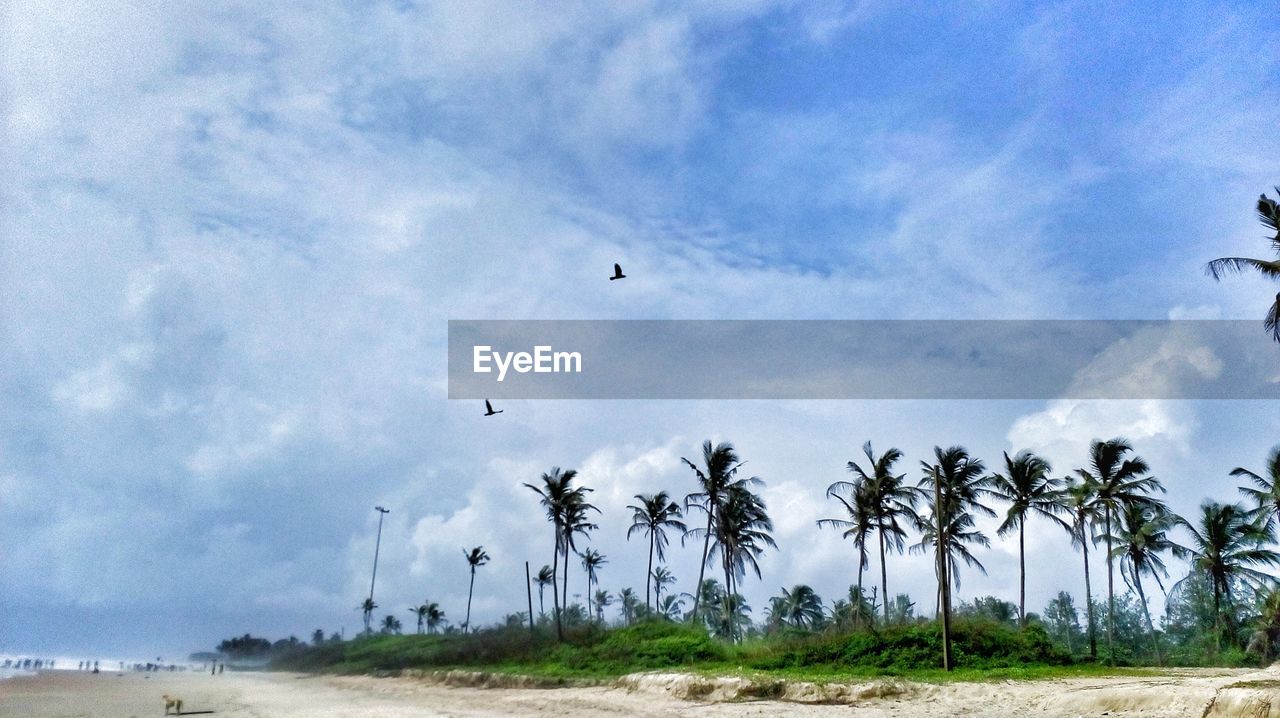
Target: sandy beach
{"type": "Point", "coordinates": [1196, 693]}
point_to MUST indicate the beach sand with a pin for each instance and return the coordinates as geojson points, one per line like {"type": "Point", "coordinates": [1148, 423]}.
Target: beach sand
{"type": "Point", "coordinates": [1196, 693]}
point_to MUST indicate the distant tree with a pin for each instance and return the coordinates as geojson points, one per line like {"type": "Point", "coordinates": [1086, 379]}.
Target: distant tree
{"type": "Point", "coordinates": [1062, 620]}
{"type": "Point", "coordinates": [391, 625]}
{"type": "Point", "coordinates": [661, 579]}
{"type": "Point", "coordinates": [546, 576]}
{"type": "Point", "coordinates": [367, 606]}
{"type": "Point", "coordinates": [669, 607]}
{"type": "Point", "coordinates": [603, 599]}
{"type": "Point", "coordinates": [567, 508]}
{"type": "Point", "coordinates": [652, 516]}
{"type": "Point", "coordinates": [476, 558]}
{"type": "Point", "coordinates": [592, 560]}
{"type": "Point", "coordinates": [629, 604]}
{"type": "Point", "coordinates": [720, 464]}
{"type": "Point", "coordinates": [1269, 215]}
{"type": "Point", "coordinates": [435, 617]}
{"type": "Point", "coordinates": [317, 637]}
{"type": "Point", "coordinates": [1140, 539]}
{"type": "Point", "coordinates": [854, 611]}
{"type": "Point", "coordinates": [902, 609]}
{"type": "Point", "coordinates": [245, 647]}
{"type": "Point", "coordinates": [991, 608]}
{"type": "Point", "coordinates": [798, 607]}
{"type": "Point", "coordinates": [1077, 499]}
{"type": "Point", "coordinates": [421, 613]}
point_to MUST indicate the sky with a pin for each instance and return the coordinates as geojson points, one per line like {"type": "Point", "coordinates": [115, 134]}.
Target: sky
{"type": "Point", "coordinates": [232, 235]}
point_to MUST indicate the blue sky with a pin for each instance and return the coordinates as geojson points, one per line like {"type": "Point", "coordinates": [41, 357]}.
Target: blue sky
{"type": "Point", "coordinates": [231, 236]}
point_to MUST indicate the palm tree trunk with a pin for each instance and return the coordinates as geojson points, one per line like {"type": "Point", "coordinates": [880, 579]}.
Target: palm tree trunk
{"type": "Point", "coordinates": [1111, 596]}
{"type": "Point", "coordinates": [884, 578]}
{"type": "Point", "coordinates": [648, 577]}
{"type": "Point", "coordinates": [588, 596]}
{"type": "Point", "coordinates": [470, 591]}
{"type": "Point", "coordinates": [1022, 573]}
{"type": "Point", "coordinates": [1088, 596]}
{"type": "Point", "coordinates": [565, 578]}
{"type": "Point", "coordinates": [555, 587]}
{"type": "Point", "coordinates": [702, 569]}
{"type": "Point", "coordinates": [1155, 639]}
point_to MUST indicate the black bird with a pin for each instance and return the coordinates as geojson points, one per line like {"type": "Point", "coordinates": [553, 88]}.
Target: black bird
{"type": "Point", "coordinates": [488, 409]}
{"type": "Point", "coordinates": [617, 273]}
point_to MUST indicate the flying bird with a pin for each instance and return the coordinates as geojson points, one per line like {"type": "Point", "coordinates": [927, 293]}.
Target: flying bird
{"type": "Point", "coordinates": [617, 273]}
{"type": "Point", "coordinates": [488, 409]}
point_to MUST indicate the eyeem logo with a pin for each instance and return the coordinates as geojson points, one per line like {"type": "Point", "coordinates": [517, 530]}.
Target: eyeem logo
{"type": "Point", "coordinates": [542, 361]}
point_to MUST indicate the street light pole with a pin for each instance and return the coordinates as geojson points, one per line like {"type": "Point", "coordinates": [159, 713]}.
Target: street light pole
{"type": "Point", "coordinates": [376, 547]}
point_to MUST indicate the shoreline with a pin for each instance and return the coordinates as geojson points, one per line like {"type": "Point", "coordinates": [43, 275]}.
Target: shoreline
{"type": "Point", "coordinates": [410, 694]}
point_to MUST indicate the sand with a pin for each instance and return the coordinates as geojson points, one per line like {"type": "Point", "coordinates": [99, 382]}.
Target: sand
{"type": "Point", "coordinates": [1196, 693]}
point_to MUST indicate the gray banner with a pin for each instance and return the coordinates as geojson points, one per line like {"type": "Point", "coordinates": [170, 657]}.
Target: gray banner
{"type": "Point", "coordinates": [891, 359]}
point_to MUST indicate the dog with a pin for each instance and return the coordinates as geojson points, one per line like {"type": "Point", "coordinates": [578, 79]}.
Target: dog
{"type": "Point", "coordinates": [174, 703]}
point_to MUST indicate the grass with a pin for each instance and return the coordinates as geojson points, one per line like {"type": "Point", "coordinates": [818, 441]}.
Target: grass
{"type": "Point", "coordinates": [984, 650]}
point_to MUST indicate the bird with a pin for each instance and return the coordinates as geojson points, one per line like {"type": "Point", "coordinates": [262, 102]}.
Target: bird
{"type": "Point", "coordinates": [617, 272]}
{"type": "Point", "coordinates": [488, 409]}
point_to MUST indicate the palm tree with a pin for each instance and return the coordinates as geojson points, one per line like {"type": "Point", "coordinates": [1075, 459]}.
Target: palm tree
{"type": "Point", "coordinates": [653, 516]}
{"type": "Point", "coordinates": [604, 599]}
{"type": "Point", "coordinates": [566, 507]}
{"type": "Point", "coordinates": [1078, 500]}
{"type": "Point", "coordinates": [629, 603]}
{"type": "Point", "coordinates": [421, 613]}
{"type": "Point", "coordinates": [368, 607]}
{"type": "Point", "coordinates": [1141, 538]}
{"type": "Point", "coordinates": [391, 625]}
{"type": "Point", "coordinates": [661, 577]}
{"type": "Point", "coordinates": [434, 617]}
{"type": "Point", "coordinates": [1266, 491]}
{"type": "Point", "coordinates": [546, 575]}
{"type": "Point", "coordinates": [800, 607]}
{"type": "Point", "coordinates": [958, 485]}
{"type": "Point", "coordinates": [1269, 215]}
{"type": "Point", "coordinates": [1226, 547]}
{"type": "Point", "coordinates": [1117, 482]}
{"type": "Point", "coordinates": [669, 607]}
{"type": "Point", "coordinates": [592, 560]}
{"type": "Point", "coordinates": [855, 499]}
{"type": "Point", "coordinates": [720, 464]}
{"type": "Point", "coordinates": [891, 501]}
{"type": "Point", "coordinates": [1029, 489]}
{"type": "Point", "coordinates": [740, 533]}
{"type": "Point", "coordinates": [476, 557]}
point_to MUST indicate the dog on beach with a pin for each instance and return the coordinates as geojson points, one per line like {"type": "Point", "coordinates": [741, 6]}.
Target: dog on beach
{"type": "Point", "coordinates": [174, 703]}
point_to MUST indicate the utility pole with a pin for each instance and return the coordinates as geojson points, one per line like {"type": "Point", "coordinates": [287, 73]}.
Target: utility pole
{"type": "Point", "coordinates": [376, 547]}
{"type": "Point", "coordinates": [528, 589]}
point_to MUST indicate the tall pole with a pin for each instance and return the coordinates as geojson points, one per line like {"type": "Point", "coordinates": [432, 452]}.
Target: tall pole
{"type": "Point", "coordinates": [376, 547]}
{"type": "Point", "coordinates": [528, 589]}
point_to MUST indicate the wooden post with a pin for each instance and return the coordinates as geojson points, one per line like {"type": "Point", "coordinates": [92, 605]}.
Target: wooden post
{"type": "Point", "coordinates": [944, 576]}
{"type": "Point", "coordinates": [528, 589]}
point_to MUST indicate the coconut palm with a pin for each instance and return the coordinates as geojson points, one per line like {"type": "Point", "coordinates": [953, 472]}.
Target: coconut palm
{"type": "Point", "coordinates": [855, 500]}
{"type": "Point", "coordinates": [740, 533]}
{"type": "Point", "coordinates": [653, 516]}
{"type": "Point", "coordinates": [629, 603]}
{"type": "Point", "coordinates": [661, 578]}
{"type": "Point", "coordinates": [435, 617]}
{"type": "Point", "coordinates": [720, 465]}
{"type": "Point", "coordinates": [604, 599]}
{"type": "Point", "coordinates": [566, 508]}
{"type": "Point", "coordinates": [391, 625]}
{"type": "Point", "coordinates": [546, 575]}
{"type": "Point", "coordinates": [799, 607]}
{"type": "Point", "coordinates": [1227, 546]}
{"type": "Point", "coordinates": [421, 613]}
{"type": "Point", "coordinates": [1142, 535]}
{"type": "Point", "coordinates": [1265, 491]}
{"type": "Point", "coordinates": [592, 560]}
{"type": "Point", "coordinates": [1118, 481]}
{"type": "Point", "coordinates": [669, 607]}
{"type": "Point", "coordinates": [367, 606]}
{"type": "Point", "coordinates": [476, 557]}
{"type": "Point", "coordinates": [1029, 489]}
{"type": "Point", "coordinates": [1269, 215]}
{"type": "Point", "coordinates": [1078, 501]}
{"type": "Point", "coordinates": [892, 502]}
